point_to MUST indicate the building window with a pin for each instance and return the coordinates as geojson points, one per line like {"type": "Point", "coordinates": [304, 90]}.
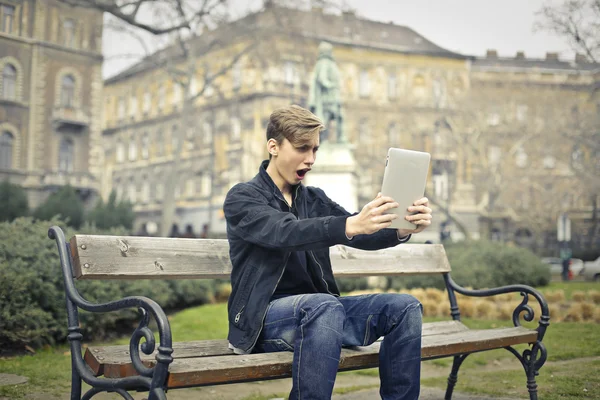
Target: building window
{"type": "Point", "coordinates": [160, 143]}
{"type": "Point", "coordinates": [392, 88]}
{"type": "Point", "coordinates": [236, 75]}
{"type": "Point", "coordinates": [133, 106]}
{"type": "Point", "coordinates": [177, 94]}
{"type": "Point", "coordinates": [494, 155]}
{"type": "Point", "coordinates": [67, 94]}
{"type": "Point", "coordinates": [121, 109]}
{"type": "Point", "coordinates": [147, 102]}
{"type": "Point", "coordinates": [364, 84]}
{"type": "Point", "coordinates": [161, 97]}
{"type": "Point", "coordinates": [363, 131]}
{"type": "Point", "coordinates": [236, 129]}
{"type": "Point", "coordinates": [521, 113]}
{"type": "Point", "coordinates": [493, 119]}
{"type": "Point", "coordinates": [145, 146]}
{"type": "Point", "coordinates": [193, 86]}
{"type": "Point", "coordinates": [6, 150]}
{"type": "Point", "coordinates": [190, 188]}
{"type": "Point", "coordinates": [521, 158]}
{"type": "Point", "coordinates": [132, 149]}
{"type": "Point", "coordinates": [145, 195]}
{"type": "Point", "coordinates": [7, 15]}
{"type": "Point", "coordinates": [205, 185]}
{"type": "Point", "coordinates": [65, 156]}
{"type": "Point", "coordinates": [131, 191]}
{"type": "Point", "coordinates": [68, 32]}
{"type": "Point", "coordinates": [159, 189]}
{"type": "Point", "coordinates": [549, 162]}
{"type": "Point", "coordinates": [418, 85]}
{"type": "Point", "coordinates": [439, 92]}
{"type": "Point", "coordinates": [120, 152]}
{"type": "Point", "coordinates": [289, 73]}
{"type": "Point", "coordinates": [174, 139]}
{"type": "Point", "coordinates": [9, 82]}
{"type": "Point", "coordinates": [208, 136]}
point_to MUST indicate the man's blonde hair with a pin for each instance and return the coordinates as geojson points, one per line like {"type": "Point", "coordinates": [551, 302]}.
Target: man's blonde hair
{"type": "Point", "coordinates": [294, 123]}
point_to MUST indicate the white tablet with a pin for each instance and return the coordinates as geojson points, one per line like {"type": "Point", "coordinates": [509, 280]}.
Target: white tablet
{"type": "Point", "coordinates": [404, 180]}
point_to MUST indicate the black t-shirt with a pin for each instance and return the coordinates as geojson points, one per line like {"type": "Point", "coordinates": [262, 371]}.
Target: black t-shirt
{"type": "Point", "coordinates": [299, 276]}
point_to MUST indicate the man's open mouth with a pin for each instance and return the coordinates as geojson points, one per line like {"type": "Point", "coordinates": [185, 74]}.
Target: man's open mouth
{"type": "Point", "coordinates": [302, 172]}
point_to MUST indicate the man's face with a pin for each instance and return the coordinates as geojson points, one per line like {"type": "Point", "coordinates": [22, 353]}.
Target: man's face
{"type": "Point", "coordinates": [293, 162]}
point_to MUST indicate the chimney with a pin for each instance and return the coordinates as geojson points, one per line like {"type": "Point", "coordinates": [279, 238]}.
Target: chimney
{"type": "Point", "coordinates": [551, 56]}
{"type": "Point", "coordinates": [580, 58]}
{"type": "Point", "coordinates": [520, 55]}
{"type": "Point", "coordinates": [491, 54]}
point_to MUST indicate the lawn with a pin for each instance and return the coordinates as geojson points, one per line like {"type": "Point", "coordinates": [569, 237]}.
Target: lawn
{"type": "Point", "coordinates": [48, 370]}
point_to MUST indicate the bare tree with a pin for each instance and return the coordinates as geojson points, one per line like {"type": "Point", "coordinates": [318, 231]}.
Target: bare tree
{"type": "Point", "coordinates": [176, 36]}
{"type": "Point", "coordinates": [578, 21]}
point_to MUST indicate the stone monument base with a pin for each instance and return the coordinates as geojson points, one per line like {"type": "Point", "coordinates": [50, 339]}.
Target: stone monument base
{"type": "Point", "coordinates": [335, 173]}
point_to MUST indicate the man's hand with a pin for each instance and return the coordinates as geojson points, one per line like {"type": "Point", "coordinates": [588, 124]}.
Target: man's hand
{"type": "Point", "coordinates": [422, 218]}
{"type": "Point", "coordinates": [371, 218]}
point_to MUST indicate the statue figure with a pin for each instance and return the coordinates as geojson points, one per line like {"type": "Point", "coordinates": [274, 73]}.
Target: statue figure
{"type": "Point", "coordinates": [324, 94]}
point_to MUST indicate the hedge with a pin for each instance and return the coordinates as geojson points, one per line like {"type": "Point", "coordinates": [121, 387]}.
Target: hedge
{"type": "Point", "coordinates": [32, 299]}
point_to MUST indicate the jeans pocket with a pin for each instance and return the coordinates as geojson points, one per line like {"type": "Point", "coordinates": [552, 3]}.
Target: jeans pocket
{"type": "Point", "coordinates": [274, 345]}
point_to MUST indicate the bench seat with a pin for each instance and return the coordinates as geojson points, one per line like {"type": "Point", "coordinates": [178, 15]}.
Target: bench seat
{"type": "Point", "coordinates": [210, 362]}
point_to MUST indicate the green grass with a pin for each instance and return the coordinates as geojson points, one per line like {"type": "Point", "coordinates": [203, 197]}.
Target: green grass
{"type": "Point", "coordinates": [577, 380]}
{"type": "Point", "coordinates": [49, 371]}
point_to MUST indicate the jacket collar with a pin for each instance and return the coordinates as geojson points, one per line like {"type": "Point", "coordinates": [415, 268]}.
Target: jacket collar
{"type": "Point", "coordinates": [267, 182]}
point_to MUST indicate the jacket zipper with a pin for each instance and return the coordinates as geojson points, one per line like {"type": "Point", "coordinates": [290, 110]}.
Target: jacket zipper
{"type": "Point", "coordinates": [239, 314]}
{"type": "Point", "coordinates": [322, 275]}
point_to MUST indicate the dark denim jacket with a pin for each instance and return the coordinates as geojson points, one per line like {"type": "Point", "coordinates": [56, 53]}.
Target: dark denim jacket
{"type": "Point", "coordinates": [261, 237]}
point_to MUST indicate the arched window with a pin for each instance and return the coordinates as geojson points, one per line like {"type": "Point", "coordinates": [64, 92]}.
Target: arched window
{"type": "Point", "coordinates": [67, 94]}
{"type": "Point", "coordinates": [9, 82]}
{"type": "Point", "coordinates": [65, 156]}
{"type": "Point", "coordinates": [6, 150]}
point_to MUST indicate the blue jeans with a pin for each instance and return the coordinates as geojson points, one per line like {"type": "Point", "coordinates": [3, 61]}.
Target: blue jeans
{"type": "Point", "coordinates": [316, 326]}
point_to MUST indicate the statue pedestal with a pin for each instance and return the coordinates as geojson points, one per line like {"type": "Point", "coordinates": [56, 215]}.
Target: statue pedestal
{"type": "Point", "coordinates": [335, 173]}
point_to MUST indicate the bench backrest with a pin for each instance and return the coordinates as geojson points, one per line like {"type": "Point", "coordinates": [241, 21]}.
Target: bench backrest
{"type": "Point", "coordinates": [136, 257]}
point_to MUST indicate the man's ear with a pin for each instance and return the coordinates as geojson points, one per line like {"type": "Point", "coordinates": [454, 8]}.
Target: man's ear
{"type": "Point", "coordinates": [272, 147]}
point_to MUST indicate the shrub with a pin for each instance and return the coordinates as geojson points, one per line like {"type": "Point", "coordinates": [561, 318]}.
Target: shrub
{"type": "Point", "coordinates": [32, 298]}
{"type": "Point", "coordinates": [66, 204]}
{"type": "Point", "coordinates": [112, 214]}
{"type": "Point", "coordinates": [13, 201]}
{"type": "Point", "coordinates": [483, 264]}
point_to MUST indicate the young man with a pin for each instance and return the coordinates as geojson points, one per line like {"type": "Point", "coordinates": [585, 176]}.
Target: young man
{"type": "Point", "coordinates": [284, 294]}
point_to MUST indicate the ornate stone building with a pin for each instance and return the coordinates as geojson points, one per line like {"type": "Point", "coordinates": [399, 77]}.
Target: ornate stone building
{"type": "Point", "coordinates": [399, 89]}
{"type": "Point", "coordinates": [50, 97]}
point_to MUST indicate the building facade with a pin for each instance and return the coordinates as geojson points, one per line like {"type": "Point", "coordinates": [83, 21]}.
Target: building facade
{"type": "Point", "coordinates": [399, 89]}
{"type": "Point", "coordinates": [50, 97]}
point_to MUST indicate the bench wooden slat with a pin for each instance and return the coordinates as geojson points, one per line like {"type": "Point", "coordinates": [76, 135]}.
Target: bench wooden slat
{"type": "Point", "coordinates": [215, 370]}
{"type": "Point", "coordinates": [114, 361]}
{"type": "Point", "coordinates": [135, 257]}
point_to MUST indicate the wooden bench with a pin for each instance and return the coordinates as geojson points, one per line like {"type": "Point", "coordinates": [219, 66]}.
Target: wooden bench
{"type": "Point", "coordinates": [167, 365]}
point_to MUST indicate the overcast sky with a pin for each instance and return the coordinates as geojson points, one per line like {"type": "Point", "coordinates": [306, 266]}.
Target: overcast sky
{"type": "Point", "coordinates": [469, 27]}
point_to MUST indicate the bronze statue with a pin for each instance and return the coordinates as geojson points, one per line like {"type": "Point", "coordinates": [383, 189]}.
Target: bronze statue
{"type": "Point", "coordinates": [324, 95]}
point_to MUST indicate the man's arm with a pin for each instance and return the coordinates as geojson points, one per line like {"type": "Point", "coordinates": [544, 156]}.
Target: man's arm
{"type": "Point", "coordinates": [250, 218]}
{"type": "Point", "coordinates": [375, 241]}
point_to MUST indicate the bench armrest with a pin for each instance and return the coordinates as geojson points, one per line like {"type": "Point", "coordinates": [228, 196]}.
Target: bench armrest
{"type": "Point", "coordinates": [525, 291]}
{"type": "Point", "coordinates": [147, 307]}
